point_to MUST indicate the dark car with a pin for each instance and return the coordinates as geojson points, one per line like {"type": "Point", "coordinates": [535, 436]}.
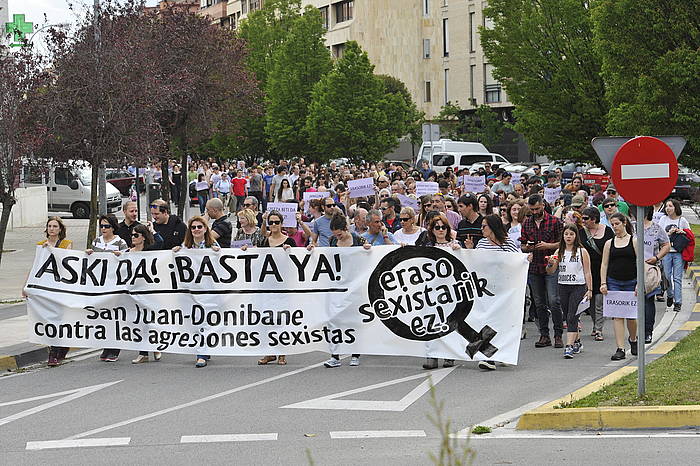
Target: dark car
{"type": "Point", "coordinates": [122, 180]}
{"type": "Point", "coordinates": [567, 170]}
{"type": "Point", "coordinates": [687, 186]}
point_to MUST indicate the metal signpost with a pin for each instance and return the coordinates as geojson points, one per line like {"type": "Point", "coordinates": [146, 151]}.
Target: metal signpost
{"type": "Point", "coordinates": [644, 170]}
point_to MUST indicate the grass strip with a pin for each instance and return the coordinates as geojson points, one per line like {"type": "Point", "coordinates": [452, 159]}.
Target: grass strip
{"type": "Point", "coordinates": [696, 231]}
{"type": "Point", "coordinates": [673, 379]}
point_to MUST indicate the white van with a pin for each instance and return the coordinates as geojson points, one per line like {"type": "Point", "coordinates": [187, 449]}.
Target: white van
{"type": "Point", "coordinates": [68, 189]}
{"type": "Point", "coordinates": [457, 154]}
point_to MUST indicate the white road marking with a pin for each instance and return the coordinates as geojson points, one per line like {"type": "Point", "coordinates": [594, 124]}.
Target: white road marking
{"type": "Point", "coordinates": [193, 403]}
{"type": "Point", "coordinates": [345, 434]}
{"type": "Point", "coordinates": [331, 401]}
{"type": "Point", "coordinates": [501, 419]}
{"type": "Point", "coordinates": [83, 443]}
{"type": "Point", "coordinates": [70, 395]}
{"type": "Point", "coordinates": [645, 171]}
{"type": "Point", "coordinates": [227, 438]}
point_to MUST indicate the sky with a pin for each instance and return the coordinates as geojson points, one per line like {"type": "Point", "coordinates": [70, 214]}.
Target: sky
{"type": "Point", "coordinates": [56, 11]}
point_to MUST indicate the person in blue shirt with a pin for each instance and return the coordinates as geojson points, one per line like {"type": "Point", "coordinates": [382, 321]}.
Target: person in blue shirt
{"type": "Point", "coordinates": [377, 235]}
{"type": "Point", "coordinates": [321, 227]}
{"type": "Point", "coordinates": [267, 178]}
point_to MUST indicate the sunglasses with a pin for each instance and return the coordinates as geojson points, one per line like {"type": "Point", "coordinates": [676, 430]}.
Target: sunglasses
{"type": "Point", "coordinates": [440, 227]}
{"type": "Point", "coordinates": [330, 205]}
{"type": "Point", "coordinates": [197, 227]}
{"type": "Point", "coordinates": [154, 206]}
{"type": "Point", "coordinates": [609, 205]}
{"type": "Point", "coordinates": [405, 219]}
{"type": "Point", "coordinates": [585, 218]}
{"type": "Point", "coordinates": [247, 205]}
{"type": "Point", "coordinates": [106, 226]}
{"type": "Point", "coordinates": [274, 222]}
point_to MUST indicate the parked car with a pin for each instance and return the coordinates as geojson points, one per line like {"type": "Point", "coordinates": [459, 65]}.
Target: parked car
{"type": "Point", "coordinates": [123, 180]}
{"type": "Point", "coordinates": [687, 186]}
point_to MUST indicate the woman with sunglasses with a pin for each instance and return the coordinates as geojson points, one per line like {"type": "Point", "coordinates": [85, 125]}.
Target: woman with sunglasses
{"type": "Point", "coordinates": [198, 236]}
{"type": "Point", "coordinates": [276, 239]}
{"type": "Point", "coordinates": [596, 235]}
{"type": "Point", "coordinates": [439, 235]}
{"type": "Point", "coordinates": [409, 231]}
{"type": "Point", "coordinates": [55, 232]}
{"type": "Point", "coordinates": [108, 241]}
{"type": "Point", "coordinates": [142, 240]}
{"type": "Point", "coordinates": [574, 266]}
{"type": "Point", "coordinates": [495, 239]}
{"type": "Point", "coordinates": [426, 202]}
{"type": "Point", "coordinates": [619, 273]}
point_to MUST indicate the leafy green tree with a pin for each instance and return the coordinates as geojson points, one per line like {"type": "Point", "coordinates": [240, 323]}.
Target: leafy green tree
{"type": "Point", "coordinates": [415, 117]}
{"type": "Point", "coordinates": [542, 51]}
{"type": "Point", "coordinates": [482, 125]}
{"type": "Point", "coordinates": [297, 65]}
{"type": "Point", "coordinates": [650, 53]}
{"type": "Point", "coordinates": [351, 114]}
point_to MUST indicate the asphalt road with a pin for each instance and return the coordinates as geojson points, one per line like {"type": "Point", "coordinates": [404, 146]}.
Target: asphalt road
{"type": "Point", "coordinates": [235, 412]}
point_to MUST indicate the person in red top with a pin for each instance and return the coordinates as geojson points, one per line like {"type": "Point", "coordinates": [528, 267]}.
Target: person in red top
{"type": "Point", "coordinates": [541, 233]}
{"type": "Point", "coordinates": [240, 190]}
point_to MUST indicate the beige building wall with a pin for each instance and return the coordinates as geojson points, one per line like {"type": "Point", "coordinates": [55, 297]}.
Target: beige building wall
{"type": "Point", "coordinates": [397, 34]}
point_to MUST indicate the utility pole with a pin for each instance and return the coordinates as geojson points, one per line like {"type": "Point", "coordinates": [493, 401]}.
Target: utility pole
{"type": "Point", "coordinates": [101, 175]}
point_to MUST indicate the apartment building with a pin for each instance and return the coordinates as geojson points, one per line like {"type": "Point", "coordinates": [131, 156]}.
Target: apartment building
{"type": "Point", "coordinates": [432, 46]}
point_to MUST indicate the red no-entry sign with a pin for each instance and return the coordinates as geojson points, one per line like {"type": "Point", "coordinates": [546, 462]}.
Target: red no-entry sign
{"type": "Point", "coordinates": [644, 170]}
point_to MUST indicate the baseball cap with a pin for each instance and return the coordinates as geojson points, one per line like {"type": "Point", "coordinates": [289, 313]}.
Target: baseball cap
{"type": "Point", "coordinates": [577, 201]}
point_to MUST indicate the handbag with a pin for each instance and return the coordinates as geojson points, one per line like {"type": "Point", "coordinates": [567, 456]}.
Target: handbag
{"type": "Point", "coordinates": [652, 277]}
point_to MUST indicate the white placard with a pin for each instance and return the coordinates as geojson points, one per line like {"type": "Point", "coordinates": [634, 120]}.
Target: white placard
{"type": "Point", "coordinates": [622, 304]}
{"type": "Point", "coordinates": [474, 184]}
{"type": "Point", "coordinates": [515, 178]}
{"type": "Point", "coordinates": [288, 211]}
{"type": "Point", "coordinates": [426, 187]}
{"type": "Point", "coordinates": [551, 194]}
{"type": "Point", "coordinates": [313, 195]}
{"type": "Point", "coordinates": [272, 301]}
{"type": "Point", "coordinates": [361, 188]}
{"type": "Point", "coordinates": [241, 242]}
{"type": "Point", "coordinates": [408, 202]}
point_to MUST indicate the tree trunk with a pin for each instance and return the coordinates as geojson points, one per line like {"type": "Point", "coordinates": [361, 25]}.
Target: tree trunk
{"type": "Point", "coordinates": [92, 227]}
{"type": "Point", "coordinates": [184, 201]}
{"type": "Point", "coordinates": [165, 179]}
{"type": "Point", "coordinates": [8, 201]}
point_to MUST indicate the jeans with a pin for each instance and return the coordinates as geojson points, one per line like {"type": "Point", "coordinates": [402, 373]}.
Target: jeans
{"type": "Point", "coordinates": [202, 198]}
{"type": "Point", "coordinates": [544, 290]}
{"type": "Point", "coordinates": [570, 296]}
{"type": "Point", "coordinates": [621, 285]}
{"type": "Point", "coordinates": [673, 269]}
{"type": "Point", "coordinates": [649, 314]}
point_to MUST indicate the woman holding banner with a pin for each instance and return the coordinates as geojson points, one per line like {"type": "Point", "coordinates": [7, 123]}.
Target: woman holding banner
{"type": "Point", "coordinates": [198, 236]}
{"type": "Point", "coordinates": [343, 238]}
{"type": "Point", "coordinates": [574, 265]}
{"type": "Point", "coordinates": [618, 272]}
{"type": "Point", "coordinates": [55, 232]}
{"type": "Point", "coordinates": [276, 239]}
{"type": "Point", "coordinates": [439, 235]}
{"type": "Point", "coordinates": [409, 231]}
{"type": "Point", "coordinates": [249, 230]}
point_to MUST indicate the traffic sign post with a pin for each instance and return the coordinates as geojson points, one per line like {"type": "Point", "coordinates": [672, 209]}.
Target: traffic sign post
{"type": "Point", "coordinates": [644, 170]}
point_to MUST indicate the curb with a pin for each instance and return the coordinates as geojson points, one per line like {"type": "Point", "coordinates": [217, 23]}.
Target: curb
{"type": "Point", "coordinates": [549, 417]}
{"type": "Point", "coordinates": [21, 356]}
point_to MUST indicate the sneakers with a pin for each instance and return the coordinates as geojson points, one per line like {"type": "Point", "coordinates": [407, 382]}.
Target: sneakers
{"type": "Point", "coordinates": [157, 355]}
{"type": "Point", "coordinates": [633, 346]}
{"type": "Point", "coordinates": [111, 357]}
{"type": "Point", "coordinates": [200, 363]}
{"type": "Point", "coordinates": [568, 352]}
{"type": "Point", "coordinates": [648, 339]}
{"type": "Point", "coordinates": [104, 355]}
{"type": "Point", "coordinates": [543, 342]}
{"type": "Point", "coordinates": [677, 307]}
{"type": "Point", "coordinates": [141, 358]}
{"type": "Point", "coordinates": [558, 342]}
{"type": "Point", "coordinates": [448, 363]}
{"type": "Point", "coordinates": [619, 354]}
{"type": "Point", "coordinates": [577, 347]}
{"type": "Point", "coordinates": [669, 301]}
{"type": "Point", "coordinates": [430, 363]}
{"type": "Point", "coordinates": [487, 365]}
{"type": "Point", "coordinates": [598, 336]}
{"type": "Point", "coordinates": [354, 361]}
{"type": "Point", "coordinates": [332, 362]}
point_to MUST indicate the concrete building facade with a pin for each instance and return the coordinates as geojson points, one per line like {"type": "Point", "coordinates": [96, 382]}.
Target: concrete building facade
{"type": "Point", "coordinates": [4, 17]}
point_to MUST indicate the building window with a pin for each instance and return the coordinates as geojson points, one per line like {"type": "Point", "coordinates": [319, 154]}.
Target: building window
{"type": "Point", "coordinates": [445, 39]}
{"type": "Point", "coordinates": [472, 72]}
{"type": "Point", "coordinates": [343, 11]}
{"type": "Point", "coordinates": [427, 92]}
{"type": "Point", "coordinates": [447, 86]}
{"type": "Point", "coordinates": [472, 32]}
{"type": "Point", "coordinates": [338, 50]}
{"type": "Point", "coordinates": [426, 8]}
{"type": "Point", "coordinates": [324, 17]}
{"type": "Point", "coordinates": [426, 48]}
{"type": "Point", "coordinates": [256, 4]}
{"type": "Point", "coordinates": [492, 88]}
{"type": "Point", "coordinates": [244, 7]}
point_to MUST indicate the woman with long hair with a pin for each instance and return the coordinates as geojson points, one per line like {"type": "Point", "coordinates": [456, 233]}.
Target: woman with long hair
{"type": "Point", "coordinates": [596, 235]}
{"type": "Point", "coordinates": [285, 192]}
{"type": "Point", "coordinates": [572, 261]}
{"type": "Point", "coordinates": [198, 236]}
{"type": "Point", "coordinates": [55, 232]}
{"type": "Point", "coordinates": [276, 239]}
{"type": "Point", "coordinates": [674, 224]}
{"type": "Point", "coordinates": [618, 272]}
{"type": "Point", "coordinates": [515, 214]}
{"type": "Point", "coordinates": [485, 204]}
{"type": "Point", "coordinates": [426, 201]}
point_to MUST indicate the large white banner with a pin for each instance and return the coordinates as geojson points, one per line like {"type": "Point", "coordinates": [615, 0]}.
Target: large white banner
{"type": "Point", "coordinates": [388, 300]}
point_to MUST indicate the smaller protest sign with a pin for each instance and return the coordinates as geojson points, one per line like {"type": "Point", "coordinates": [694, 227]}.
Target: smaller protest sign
{"type": "Point", "coordinates": [361, 188]}
{"type": "Point", "coordinates": [241, 242]}
{"type": "Point", "coordinates": [583, 306]}
{"type": "Point", "coordinates": [515, 178]}
{"type": "Point", "coordinates": [408, 202]}
{"type": "Point", "coordinates": [474, 184]}
{"type": "Point", "coordinates": [288, 211]}
{"type": "Point", "coordinates": [621, 304]}
{"type": "Point", "coordinates": [313, 195]}
{"type": "Point", "coordinates": [551, 194]}
{"type": "Point", "coordinates": [426, 187]}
